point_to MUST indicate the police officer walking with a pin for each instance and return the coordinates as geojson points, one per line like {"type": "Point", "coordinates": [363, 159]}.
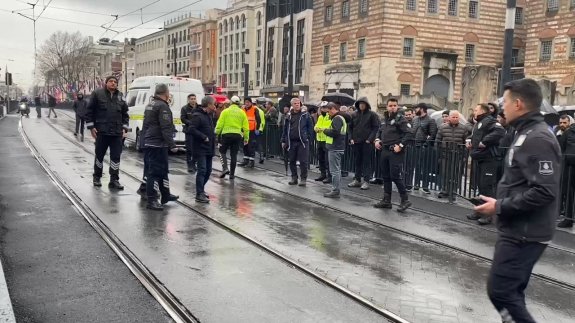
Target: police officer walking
{"type": "Point", "coordinates": [158, 139]}
{"type": "Point", "coordinates": [392, 137]}
{"type": "Point", "coordinates": [80, 106]}
{"type": "Point", "coordinates": [527, 201]}
{"type": "Point", "coordinates": [186, 117]}
{"type": "Point", "coordinates": [484, 150]}
{"type": "Point", "coordinates": [232, 129]}
{"type": "Point", "coordinates": [107, 119]}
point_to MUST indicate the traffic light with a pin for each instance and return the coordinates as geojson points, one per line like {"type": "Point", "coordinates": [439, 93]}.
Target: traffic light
{"type": "Point", "coordinates": [8, 78]}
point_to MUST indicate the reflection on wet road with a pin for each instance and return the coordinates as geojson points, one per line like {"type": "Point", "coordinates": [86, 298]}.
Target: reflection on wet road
{"type": "Point", "coordinates": [419, 281]}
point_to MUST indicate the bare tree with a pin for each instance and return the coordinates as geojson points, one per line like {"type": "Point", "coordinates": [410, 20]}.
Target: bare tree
{"type": "Point", "coordinates": [64, 59]}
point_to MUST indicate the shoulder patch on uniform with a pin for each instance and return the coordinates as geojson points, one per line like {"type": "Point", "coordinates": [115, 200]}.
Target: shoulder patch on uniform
{"type": "Point", "coordinates": [545, 167]}
{"type": "Point", "coordinates": [479, 125]}
{"type": "Point", "coordinates": [166, 116]}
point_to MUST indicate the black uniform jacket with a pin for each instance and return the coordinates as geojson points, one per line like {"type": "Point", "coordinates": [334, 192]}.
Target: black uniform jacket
{"type": "Point", "coordinates": [159, 125]}
{"type": "Point", "coordinates": [107, 112]}
{"type": "Point", "coordinates": [527, 195]}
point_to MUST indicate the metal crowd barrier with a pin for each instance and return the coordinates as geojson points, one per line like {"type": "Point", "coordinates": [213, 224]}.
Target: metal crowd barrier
{"type": "Point", "coordinates": [440, 167]}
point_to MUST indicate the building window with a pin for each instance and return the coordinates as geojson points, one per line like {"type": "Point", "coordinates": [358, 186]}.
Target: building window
{"type": "Point", "coordinates": [552, 5]}
{"type": "Point", "coordinates": [243, 39]}
{"type": "Point", "coordinates": [243, 21]}
{"type": "Point", "coordinates": [237, 41]}
{"type": "Point", "coordinates": [572, 5]}
{"type": "Point", "coordinates": [299, 51]}
{"type": "Point", "coordinates": [258, 76]}
{"type": "Point", "coordinates": [237, 58]}
{"type": "Point", "coordinates": [474, 9]}
{"type": "Point", "coordinates": [572, 49]}
{"type": "Point", "coordinates": [408, 47]}
{"type": "Point", "coordinates": [220, 47]}
{"type": "Point", "coordinates": [405, 89]}
{"type": "Point", "coordinates": [220, 64]}
{"type": "Point", "coordinates": [514, 57]}
{"type": "Point", "coordinates": [270, 55]}
{"type": "Point", "coordinates": [411, 5]}
{"type": "Point", "coordinates": [236, 78]}
{"type": "Point", "coordinates": [469, 53]}
{"type": "Point", "coordinates": [345, 9]}
{"type": "Point", "coordinates": [226, 26]}
{"type": "Point", "coordinates": [259, 37]}
{"type": "Point", "coordinates": [285, 53]}
{"type": "Point", "coordinates": [258, 58]}
{"type": "Point", "coordinates": [231, 42]}
{"type": "Point", "coordinates": [221, 29]}
{"type": "Point", "coordinates": [364, 6]}
{"type": "Point", "coordinates": [231, 24]}
{"type": "Point", "coordinates": [546, 50]}
{"type": "Point", "coordinates": [519, 16]}
{"type": "Point", "coordinates": [432, 6]}
{"type": "Point", "coordinates": [259, 18]}
{"type": "Point", "coordinates": [326, 54]}
{"type": "Point", "coordinates": [452, 7]}
{"type": "Point", "coordinates": [242, 79]}
{"type": "Point", "coordinates": [361, 48]}
{"type": "Point", "coordinates": [342, 52]}
{"type": "Point", "coordinates": [231, 62]}
{"type": "Point", "coordinates": [243, 58]}
{"type": "Point", "coordinates": [225, 63]}
{"type": "Point", "coordinates": [328, 13]}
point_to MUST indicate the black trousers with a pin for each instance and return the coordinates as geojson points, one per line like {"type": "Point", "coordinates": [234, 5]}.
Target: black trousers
{"type": "Point", "coordinates": [322, 158]}
{"type": "Point", "coordinates": [568, 190]}
{"type": "Point", "coordinates": [156, 172]}
{"type": "Point", "coordinates": [190, 151]}
{"type": "Point", "coordinates": [298, 152]}
{"type": "Point", "coordinates": [510, 272]}
{"type": "Point", "coordinates": [115, 143]}
{"type": "Point", "coordinates": [392, 170]}
{"type": "Point", "coordinates": [79, 125]}
{"type": "Point", "coordinates": [250, 148]}
{"type": "Point", "coordinates": [487, 177]}
{"type": "Point", "coordinates": [231, 141]}
{"type": "Point", "coordinates": [362, 153]}
{"type": "Point", "coordinates": [262, 145]}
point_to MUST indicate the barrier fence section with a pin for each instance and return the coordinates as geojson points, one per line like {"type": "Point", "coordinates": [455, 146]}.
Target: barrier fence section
{"type": "Point", "coordinates": [442, 167]}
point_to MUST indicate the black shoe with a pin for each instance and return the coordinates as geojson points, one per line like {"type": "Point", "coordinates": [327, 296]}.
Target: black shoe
{"type": "Point", "coordinates": [405, 204]}
{"type": "Point", "coordinates": [426, 191]}
{"type": "Point", "coordinates": [484, 221]}
{"type": "Point", "coordinates": [244, 163]}
{"type": "Point", "coordinates": [332, 194]}
{"type": "Point", "coordinates": [201, 198]}
{"type": "Point", "coordinates": [97, 182]}
{"type": "Point", "coordinates": [442, 195]}
{"type": "Point", "coordinates": [170, 198]}
{"type": "Point", "coordinates": [75, 134]}
{"type": "Point", "coordinates": [115, 184]}
{"type": "Point", "coordinates": [565, 223]}
{"type": "Point", "coordinates": [327, 180]}
{"type": "Point", "coordinates": [293, 181]}
{"type": "Point", "coordinates": [154, 205]}
{"type": "Point", "coordinates": [252, 163]}
{"type": "Point", "coordinates": [261, 161]}
{"type": "Point", "coordinates": [232, 176]}
{"type": "Point", "coordinates": [383, 204]}
{"type": "Point", "coordinates": [192, 170]}
{"type": "Point", "coordinates": [82, 137]}
{"type": "Point", "coordinates": [320, 178]}
{"type": "Point", "coordinates": [474, 217]}
{"type": "Point", "coordinates": [302, 182]}
{"type": "Point", "coordinates": [224, 173]}
{"type": "Point", "coordinates": [408, 189]}
{"type": "Point", "coordinates": [142, 192]}
{"type": "Point", "coordinates": [376, 181]}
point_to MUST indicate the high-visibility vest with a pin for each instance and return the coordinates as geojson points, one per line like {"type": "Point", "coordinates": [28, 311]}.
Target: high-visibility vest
{"type": "Point", "coordinates": [251, 114]}
{"type": "Point", "coordinates": [328, 139]}
{"type": "Point", "coordinates": [323, 122]}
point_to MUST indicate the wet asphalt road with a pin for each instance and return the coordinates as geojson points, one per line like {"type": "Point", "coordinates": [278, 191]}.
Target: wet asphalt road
{"type": "Point", "coordinates": [419, 281]}
{"type": "Point", "coordinates": [58, 269]}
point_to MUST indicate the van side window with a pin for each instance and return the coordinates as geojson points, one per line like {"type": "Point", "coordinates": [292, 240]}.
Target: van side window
{"type": "Point", "coordinates": [144, 102]}
{"type": "Point", "coordinates": [131, 99]}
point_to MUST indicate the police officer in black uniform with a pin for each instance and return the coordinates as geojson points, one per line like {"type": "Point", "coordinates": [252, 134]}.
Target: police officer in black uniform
{"type": "Point", "coordinates": [186, 117]}
{"type": "Point", "coordinates": [484, 150]}
{"type": "Point", "coordinates": [527, 201]}
{"type": "Point", "coordinates": [158, 140]}
{"type": "Point", "coordinates": [107, 119]}
{"type": "Point", "coordinates": [392, 138]}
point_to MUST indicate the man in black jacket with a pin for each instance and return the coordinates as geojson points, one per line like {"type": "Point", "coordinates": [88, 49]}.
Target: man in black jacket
{"type": "Point", "coordinates": [107, 119]}
{"type": "Point", "coordinates": [202, 128]}
{"type": "Point", "coordinates": [80, 106]}
{"type": "Point", "coordinates": [186, 117]}
{"type": "Point", "coordinates": [363, 128]}
{"type": "Point", "coordinates": [158, 139]}
{"type": "Point", "coordinates": [567, 144]}
{"type": "Point", "coordinates": [424, 132]}
{"type": "Point", "coordinates": [392, 138]}
{"type": "Point", "coordinates": [335, 141]}
{"type": "Point", "coordinates": [527, 201]}
{"type": "Point", "coordinates": [484, 150]}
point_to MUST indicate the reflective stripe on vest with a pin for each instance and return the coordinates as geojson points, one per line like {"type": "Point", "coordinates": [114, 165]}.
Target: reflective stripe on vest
{"type": "Point", "coordinates": [251, 113]}
{"type": "Point", "coordinates": [328, 139]}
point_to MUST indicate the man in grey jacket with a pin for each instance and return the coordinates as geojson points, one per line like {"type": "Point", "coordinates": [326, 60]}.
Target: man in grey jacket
{"type": "Point", "coordinates": [335, 142]}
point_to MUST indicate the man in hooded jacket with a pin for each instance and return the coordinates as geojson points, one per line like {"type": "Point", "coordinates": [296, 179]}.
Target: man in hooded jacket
{"type": "Point", "coordinates": [363, 128]}
{"type": "Point", "coordinates": [80, 107]}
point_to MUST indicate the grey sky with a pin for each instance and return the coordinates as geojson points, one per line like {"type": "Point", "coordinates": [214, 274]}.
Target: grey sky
{"type": "Point", "coordinates": [17, 32]}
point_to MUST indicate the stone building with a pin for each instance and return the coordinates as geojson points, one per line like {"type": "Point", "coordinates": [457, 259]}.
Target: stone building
{"type": "Point", "coordinates": [203, 49]}
{"type": "Point", "coordinates": [366, 47]}
{"type": "Point", "coordinates": [151, 55]}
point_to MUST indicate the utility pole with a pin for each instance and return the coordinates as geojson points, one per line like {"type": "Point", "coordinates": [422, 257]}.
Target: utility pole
{"type": "Point", "coordinates": [508, 46]}
{"type": "Point", "coordinates": [175, 52]}
{"type": "Point", "coordinates": [291, 43]}
{"type": "Point", "coordinates": [246, 73]}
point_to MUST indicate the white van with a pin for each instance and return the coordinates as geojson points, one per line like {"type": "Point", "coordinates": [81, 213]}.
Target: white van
{"type": "Point", "coordinates": [141, 91]}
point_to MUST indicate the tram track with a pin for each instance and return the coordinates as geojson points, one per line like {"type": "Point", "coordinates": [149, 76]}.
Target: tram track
{"type": "Point", "coordinates": [544, 278]}
{"type": "Point", "coordinates": [388, 315]}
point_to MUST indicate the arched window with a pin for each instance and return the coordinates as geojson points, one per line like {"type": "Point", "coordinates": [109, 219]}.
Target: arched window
{"type": "Point", "coordinates": [225, 26]}
{"type": "Point", "coordinates": [237, 23]}
{"type": "Point", "coordinates": [243, 21]}
{"type": "Point", "coordinates": [231, 24]}
{"type": "Point", "coordinates": [259, 18]}
{"type": "Point", "coordinates": [220, 28]}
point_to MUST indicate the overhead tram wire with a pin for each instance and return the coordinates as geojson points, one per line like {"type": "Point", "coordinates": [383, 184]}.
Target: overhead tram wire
{"type": "Point", "coordinates": [116, 17]}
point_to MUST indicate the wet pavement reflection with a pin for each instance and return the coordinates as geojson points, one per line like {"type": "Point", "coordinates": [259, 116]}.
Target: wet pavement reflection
{"type": "Point", "coordinates": [419, 281]}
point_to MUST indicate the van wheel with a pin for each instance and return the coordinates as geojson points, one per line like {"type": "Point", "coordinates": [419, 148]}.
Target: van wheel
{"type": "Point", "coordinates": [138, 149]}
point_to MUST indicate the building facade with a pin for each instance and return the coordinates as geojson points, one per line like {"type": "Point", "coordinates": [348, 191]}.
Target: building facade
{"type": "Point", "coordinates": [407, 47]}
{"type": "Point", "coordinates": [150, 55]}
{"type": "Point", "coordinates": [240, 32]}
{"type": "Point", "coordinates": [203, 50]}
{"type": "Point", "coordinates": [178, 44]}
{"type": "Point", "coordinates": [550, 51]}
